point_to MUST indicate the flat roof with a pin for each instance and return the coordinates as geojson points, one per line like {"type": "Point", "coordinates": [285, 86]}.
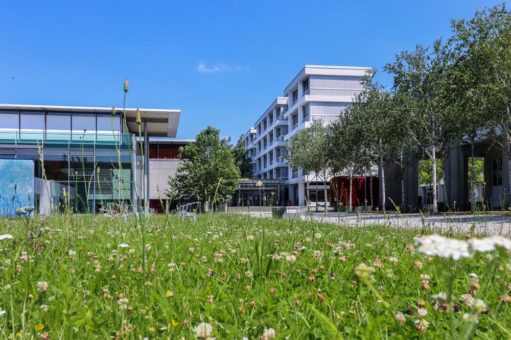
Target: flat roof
{"type": "Point", "coordinates": [160, 122]}
{"type": "Point", "coordinates": [330, 70]}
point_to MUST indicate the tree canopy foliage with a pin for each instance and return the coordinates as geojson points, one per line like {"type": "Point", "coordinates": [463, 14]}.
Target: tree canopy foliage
{"type": "Point", "coordinates": [207, 172]}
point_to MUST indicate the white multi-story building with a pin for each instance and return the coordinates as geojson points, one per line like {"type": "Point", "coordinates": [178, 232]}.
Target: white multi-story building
{"type": "Point", "coordinates": [315, 93]}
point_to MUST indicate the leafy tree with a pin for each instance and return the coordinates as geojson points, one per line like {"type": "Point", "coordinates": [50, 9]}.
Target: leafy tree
{"type": "Point", "coordinates": [207, 172]}
{"type": "Point", "coordinates": [419, 82]}
{"type": "Point", "coordinates": [382, 131]}
{"type": "Point", "coordinates": [346, 151]}
{"type": "Point", "coordinates": [481, 78]}
{"type": "Point", "coordinates": [307, 150]}
{"type": "Point", "coordinates": [241, 159]}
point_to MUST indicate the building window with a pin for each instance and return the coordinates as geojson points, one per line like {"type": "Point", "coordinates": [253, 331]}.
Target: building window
{"type": "Point", "coordinates": [496, 172]}
{"type": "Point", "coordinates": [10, 121]}
{"type": "Point", "coordinates": [295, 96]}
{"type": "Point", "coordinates": [305, 86]}
{"type": "Point", "coordinates": [32, 122]}
{"type": "Point", "coordinates": [294, 120]}
{"type": "Point", "coordinates": [305, 113]}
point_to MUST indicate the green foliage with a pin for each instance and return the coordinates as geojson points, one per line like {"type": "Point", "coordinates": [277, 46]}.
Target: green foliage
{"type": "Point", "coordinates": [307, 148]}
{"type": "Point", "coordinates": [425, 171]}
{"type": "Point", "coordinates": [239, 274]}
{"type": "Point", "coordinates": [478, 170]}
{"type": "Point", "coordinates": [207, 172]}
{"type": "Point", "coordinates": [241, 159]}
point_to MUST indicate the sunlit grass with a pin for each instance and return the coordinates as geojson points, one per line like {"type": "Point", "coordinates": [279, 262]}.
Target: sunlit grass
{"type": "Point", "coordinates": [82, 276]}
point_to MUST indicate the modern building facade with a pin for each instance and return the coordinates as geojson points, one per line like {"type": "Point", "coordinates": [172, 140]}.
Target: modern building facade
{"type": "Point", "coordinates": [91, 158]}
{"type": "Point", "coordinates": [315, 93]}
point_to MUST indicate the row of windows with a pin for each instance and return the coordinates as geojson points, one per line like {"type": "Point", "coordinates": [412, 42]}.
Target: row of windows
{"type": "Point", "coordinates": [59, 122]}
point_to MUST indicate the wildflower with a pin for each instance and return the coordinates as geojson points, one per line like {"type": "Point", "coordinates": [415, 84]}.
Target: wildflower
{"type": "Point", "coordinates": [418, 265]}
{"type": "Point", "coordinates": [436, 245]}
{"type": "Point", "coordinates": [71, 254]}
{"type": "Point", "coordinates": [269, 333]}
{"type": "Point", "coordinates": [169, 294]}
{"type": "Point", "coordinates": [44, 308]}
{"type": "Point", "coordinates": [291, 258]}
{"type": "Point", "coordinates": [39, 326]}
{"type": "Point", "coordinates": [42, 286]}
{"type": "Point", "coordinates": [363, 271]}
{"type": "Point", "coordinates": [422, 312]}
{"type": "Point", "coordinates": [204, 330]}
{"type": "Point", "coordinates": [317, 254]}
{"type": "Point", "coordinates": [400, 318]}
{"type": "Point", "coordinates": [467, 299]}
{"type": "Point", "coordinates": [317, 235]}
{"type": "Point", "coordinates": [6, 237]}
{"type": "Point", "coordinates": [172, 267]}
{"type": "Point", "coordinates": [123, 303]}
{"type": "Point", "coordinates": [210, 299]}
{"type": "Point", "coordinates": [421, 325]}
{"type": "Point", "coordinates": [479, 306]}
{"type": "Point", "coordinates": [393, 260]}
{"type": "Point", "coordinates": [2, 312]}
{"type": "Point", "coordinates": [124, 245]}
{"type": "Point", "coordinates": [24, 256]}
{"type": "Point", "coordinates": [377, 263]}
{"type": "Point", "coordinates": [505, 298]}
{"type": "Point", "coordinates": [248, 274]}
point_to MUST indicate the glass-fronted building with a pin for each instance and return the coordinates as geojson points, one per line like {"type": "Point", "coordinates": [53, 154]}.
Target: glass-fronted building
{"type": "Point", "coordinates": [86, 159]}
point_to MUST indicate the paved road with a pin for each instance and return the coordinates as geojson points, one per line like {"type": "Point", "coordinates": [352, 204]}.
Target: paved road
{"type": "Point", "coordinates": [489, 224]}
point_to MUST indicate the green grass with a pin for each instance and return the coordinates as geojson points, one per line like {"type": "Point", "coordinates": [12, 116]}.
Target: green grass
{"type": "Point", "coordinates": [224, 270]}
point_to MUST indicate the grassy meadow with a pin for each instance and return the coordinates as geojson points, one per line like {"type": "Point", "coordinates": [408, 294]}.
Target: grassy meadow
{"type": "Point", "coordinates": [233, 277]}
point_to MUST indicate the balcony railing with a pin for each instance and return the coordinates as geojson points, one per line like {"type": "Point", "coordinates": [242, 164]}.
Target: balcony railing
{"type": "Point", "coordinates": [65, 139]}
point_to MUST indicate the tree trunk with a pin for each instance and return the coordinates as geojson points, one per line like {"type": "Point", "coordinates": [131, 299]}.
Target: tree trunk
{"type": "Point", "coordinates": [434, 180]}
{"type": "Point", "coordinates": [382, 186]}
{"type": "Point", "coordinates": [326, 190]}
{"type": "Point", "coordinates": [308, 195]}
{"type": "Point", "coordinates": [472, 175]}
{"type": "Point", "coordinates": [317, 191]}
{"type": "Point", "coordinates": [350, 200]}
{"type": "Point", "coordinates": [402, 171]}
{"type": "Point", "coordinates": [371, 190]}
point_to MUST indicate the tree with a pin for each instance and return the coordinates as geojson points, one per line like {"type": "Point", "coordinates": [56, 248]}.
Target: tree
{"type": "Point", "coordinates": [207, 172]}
{"type": "Point", "coordinates": [481, 79]}
{"type": "Point", "coordinates": [419, 82]}
{"type": "Point", "coordinates": [241, 159]}
{"type": "Point", "coordinates": [307, 150]}
{"type": "Point", "coordinates": [346, 151]}
{"type": "Point", "coordinates": [381, 130]}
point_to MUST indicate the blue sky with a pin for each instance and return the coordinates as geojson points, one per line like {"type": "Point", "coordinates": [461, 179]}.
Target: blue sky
{"type": "Point", "coordinates": [221, 62]}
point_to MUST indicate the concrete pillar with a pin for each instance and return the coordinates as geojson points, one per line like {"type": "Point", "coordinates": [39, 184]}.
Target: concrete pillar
{"type": "Point", "coordinates": [301, 194]}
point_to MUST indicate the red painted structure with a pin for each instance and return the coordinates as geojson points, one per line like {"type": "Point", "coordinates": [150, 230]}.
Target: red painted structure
{"type": "Point", "coordinates": [340, 188]}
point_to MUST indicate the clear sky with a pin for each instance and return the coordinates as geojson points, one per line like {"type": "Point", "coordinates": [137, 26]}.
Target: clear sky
{"type": "Point", "coordinates": [221, 62]}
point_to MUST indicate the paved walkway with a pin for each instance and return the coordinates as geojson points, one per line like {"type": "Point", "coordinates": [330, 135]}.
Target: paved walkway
{"type": "Point", "coordinates": [488, 224]}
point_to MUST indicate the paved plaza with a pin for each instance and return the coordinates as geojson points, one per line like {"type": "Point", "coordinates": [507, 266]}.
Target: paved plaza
{"type": "Point", "coordinates": [483, 224]}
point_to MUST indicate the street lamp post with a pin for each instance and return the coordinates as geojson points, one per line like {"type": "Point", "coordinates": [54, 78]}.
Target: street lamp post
{"type": "Point", "coordinates": [259, 184]}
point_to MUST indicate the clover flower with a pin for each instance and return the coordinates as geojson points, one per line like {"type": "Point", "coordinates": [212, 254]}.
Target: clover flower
{"type": "Point", "coordinates": [123, 303]}
{"type": "Point", "coordinates": [6, 237]}
{"type": "Point", "coordinates": [363, 271]}
{"type": "Point", "coordinates": [269, 333]}
{"type": "Point", "coordinates": [42, 286]}
{"type": "Point", "coordinates": [204, 330]}
{"type": "Point", "coordinates": [436, 245]}
{"type": "Point", "coordinates": [400, 318]}
{"type": "Point", "coordinates": [291, 258]}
